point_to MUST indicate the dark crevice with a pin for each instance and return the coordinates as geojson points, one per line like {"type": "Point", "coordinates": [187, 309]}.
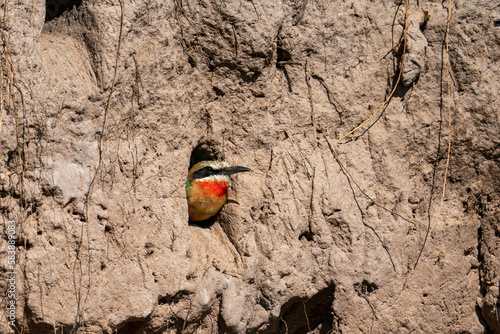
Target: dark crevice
{"type": "Point", "coordinates": [309, 236]}
{"type": "Point", "coordinates": [288, 80]}
{"type": "Point", "coordinates": [482, 321]}
{"type": "Point", "coordinates": [218, 91]}
{"type": "Point", "coordinates": [301, 316]}
{"type": "Point", "coordinates": [108, 228]}
{"type": "Point", "coordinates": [207, 223]}
{"type": "Point", "coordinates": [149, 249]}
{"type": "Point", "coordinates": [482, 310]}
{"type": "Point", "coordinates": [250, 76]}
{"type": "Point", "coordinates": [282, 53]}
{"type": "Point", "coordinates": [283, 56]}
{"type": "Point", "coordinates": [205, 150]}
{"type": "Point", "coordinates": [480, 260]}
{"type": "Point", "coordinates": [191, 61]}
{"type": "Point", "coordinates": [133, 325]}
{"type": "Point", "coordinates": [265, 303]}
{"type": "Point", "coordinates": [56, 8]}
{"type": "Point", "coordinates": [223, 328]}
{"type": "Point", "coordinates": [365, 288]}
{"type": "Point", "coordinates": [169, 299]}
{"type": "Point", "coordinates": [40, 327]}
{"type": "Point", "coordinates": [400, 90]}
{"type": "Point", "coordinates": [29, 245]}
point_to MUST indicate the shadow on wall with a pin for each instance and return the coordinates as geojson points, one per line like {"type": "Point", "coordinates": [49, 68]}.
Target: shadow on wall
{"type": "Point", "coordinates": [301, 316]}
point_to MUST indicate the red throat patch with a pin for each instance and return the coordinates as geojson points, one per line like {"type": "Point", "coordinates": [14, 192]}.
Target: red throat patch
{"type": "Point", "coordinates": [217, 188]}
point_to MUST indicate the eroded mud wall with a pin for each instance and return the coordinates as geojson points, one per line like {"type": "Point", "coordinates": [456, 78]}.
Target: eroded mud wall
{"type": "Point", "coordinates": [104, 103]}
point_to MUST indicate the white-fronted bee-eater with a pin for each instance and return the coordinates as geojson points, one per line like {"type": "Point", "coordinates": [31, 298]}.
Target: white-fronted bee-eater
{"type": "Point", "coordinates": [206, 188]}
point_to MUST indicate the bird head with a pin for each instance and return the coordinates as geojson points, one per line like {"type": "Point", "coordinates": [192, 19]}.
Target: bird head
{"type": "Point", "coordinates": [214, 170]}
{"type": "Point", "coordinates": [206, 187]}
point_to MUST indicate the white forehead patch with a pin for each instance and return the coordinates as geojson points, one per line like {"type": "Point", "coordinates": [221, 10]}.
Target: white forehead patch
{"type": "Point", "coordinates": [215, 178]}
{"type": "Point", "coordinates": [219, 164]}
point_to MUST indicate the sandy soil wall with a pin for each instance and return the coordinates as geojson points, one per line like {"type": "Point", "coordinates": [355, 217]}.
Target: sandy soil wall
{"type": "Point", "coordinates": [371, 127]}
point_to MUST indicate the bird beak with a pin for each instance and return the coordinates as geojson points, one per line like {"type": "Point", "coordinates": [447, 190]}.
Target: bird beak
{"type": "Point", "coordinates": [236, 169]}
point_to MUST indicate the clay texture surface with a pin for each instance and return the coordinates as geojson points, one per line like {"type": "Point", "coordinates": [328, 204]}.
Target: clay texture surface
{"type": "Point", "coordinates": [394, 228]}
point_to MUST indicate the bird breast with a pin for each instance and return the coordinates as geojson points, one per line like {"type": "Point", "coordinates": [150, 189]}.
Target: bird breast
{"type": "Point", "coordinates": [214, 187]}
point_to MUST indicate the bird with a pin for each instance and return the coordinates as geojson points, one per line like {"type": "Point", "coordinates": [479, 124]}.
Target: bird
{"type": "Point", "coordinates": [206, 188]}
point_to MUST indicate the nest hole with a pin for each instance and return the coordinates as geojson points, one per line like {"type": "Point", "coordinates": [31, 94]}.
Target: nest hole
{"type": "Point", "coordinates": [56, 8]}
{"type": "Point", "coordinates": [205, 150]}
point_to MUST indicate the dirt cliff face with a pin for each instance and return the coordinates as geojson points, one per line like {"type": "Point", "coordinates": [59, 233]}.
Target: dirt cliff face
{"type": "Point", "coordinates": [392, 228]}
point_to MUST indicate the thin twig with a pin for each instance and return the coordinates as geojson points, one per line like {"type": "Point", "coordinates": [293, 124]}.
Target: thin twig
{"type": "Point", "coordinates": [307, 318]}
{"type": "Point", "coordinates": [397, 81]}
{"type": "Point", "coordinates": [80, 308]}
{"type": "Point", "coordinates": [236, 44]}
{"type": "Point", "coordinates": [448, 153]}
{"type": "Point", "coordinates": [467, 54]}
{"type": "Point", "coordinates": [187, 315]}
{"type": "Point", "coordinates": [286, 326]}
{"type": "Point", "coordinates": [335, 154]}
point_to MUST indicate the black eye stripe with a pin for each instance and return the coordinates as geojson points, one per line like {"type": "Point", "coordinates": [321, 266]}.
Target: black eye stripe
{"type": "Point", "coordinates": [205, 171]}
